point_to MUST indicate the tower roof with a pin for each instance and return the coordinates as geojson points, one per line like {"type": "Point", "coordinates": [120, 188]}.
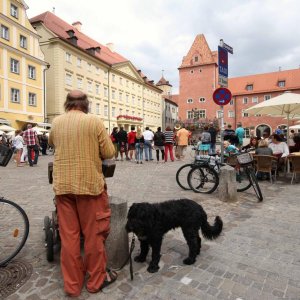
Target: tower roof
{"type": "Point", "coordinates": [199, 53]}
{"type": "Point", "coordinates": [163, 81]}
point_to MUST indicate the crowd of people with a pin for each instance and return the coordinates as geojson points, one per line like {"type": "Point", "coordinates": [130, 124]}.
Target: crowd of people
{"type": "Point", "coordinates": [26, 145]}
{"type": "Point", "coordinates": [137, 145]}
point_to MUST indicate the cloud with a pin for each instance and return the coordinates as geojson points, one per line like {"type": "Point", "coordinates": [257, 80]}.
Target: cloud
{"type": "Point", "coordinates": [156, 34]}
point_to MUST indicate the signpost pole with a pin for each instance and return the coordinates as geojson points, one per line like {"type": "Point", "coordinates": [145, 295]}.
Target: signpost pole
{"type": "Point", "coordinates": [222, 134]}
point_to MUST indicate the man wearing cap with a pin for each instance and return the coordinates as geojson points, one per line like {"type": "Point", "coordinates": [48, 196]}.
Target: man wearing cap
{"type": "Point", "coordinates": [81, 143]}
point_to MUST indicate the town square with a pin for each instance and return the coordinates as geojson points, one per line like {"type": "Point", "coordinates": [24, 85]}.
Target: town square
{"type": "Point", "coordinates": [140, 162]}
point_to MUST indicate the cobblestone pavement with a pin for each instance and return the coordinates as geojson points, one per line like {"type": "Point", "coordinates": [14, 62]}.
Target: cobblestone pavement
{"type": "Point", "coordinates": [256, 257]}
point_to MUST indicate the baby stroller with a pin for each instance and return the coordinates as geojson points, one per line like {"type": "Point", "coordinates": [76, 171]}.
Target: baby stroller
{"type": "Point", "coordinates": [51, 228]}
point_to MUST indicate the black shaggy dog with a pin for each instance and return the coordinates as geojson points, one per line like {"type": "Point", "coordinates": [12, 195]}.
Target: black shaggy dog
{"type": "Point", "coordinates": [151, 221]}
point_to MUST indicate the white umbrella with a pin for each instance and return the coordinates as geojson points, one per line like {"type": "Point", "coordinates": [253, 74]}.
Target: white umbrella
{"type": "Point", "coordinates": [295, 127]}
{"type": "Point", "coordinates": [6, 128]}
{"type": "Point", "coordinates": [1, 132]}
{"type": "Point", "coordinates": [11, 133]}
{"type": "Point", "coordinates": [286, 104]}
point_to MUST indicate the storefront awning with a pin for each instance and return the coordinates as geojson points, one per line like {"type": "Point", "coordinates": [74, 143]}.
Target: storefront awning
{"type": "Point", "coordinates": [41, 124]}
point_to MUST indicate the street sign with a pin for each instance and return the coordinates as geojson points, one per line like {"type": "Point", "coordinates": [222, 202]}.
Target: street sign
{"type": "Point", "coordinates": [223, 81]}
{"type": "Point", "coordinates": [226, 47]}
{"type": "Point", "coordinates": [223, 61]}
{"type": "Point", "coordinates": [222, 96]}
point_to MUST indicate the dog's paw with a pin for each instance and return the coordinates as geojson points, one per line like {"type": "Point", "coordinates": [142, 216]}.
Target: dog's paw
{"type": "Point", "coordinates": [139, 259]}
{"type": "Point", "coordinates": [152, 268]}
{"type": "Point", "coordinates": [189, 261]}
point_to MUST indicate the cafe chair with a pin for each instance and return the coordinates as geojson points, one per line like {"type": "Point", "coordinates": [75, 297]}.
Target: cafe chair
{"type": "Point", "coordinates": [266, 164]}
{"type": "Point", "coordinates": [295, 161]}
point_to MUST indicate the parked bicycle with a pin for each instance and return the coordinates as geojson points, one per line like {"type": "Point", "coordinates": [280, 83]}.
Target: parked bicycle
{"type": "Point", "coordinates": [14, 224]}
{"type": "Point", "coordinates": [14, 230]}
{"type": "Point", "coordinates": [202, 176]}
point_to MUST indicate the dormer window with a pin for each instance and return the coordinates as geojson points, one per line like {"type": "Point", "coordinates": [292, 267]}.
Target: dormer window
{"type": "Point", "coordinates": [249, 87]}
{"type": "Point", "coordinates": [196, 59]}
{"type": "Point", "coordinates": [14, 11]}
{"type": "Point", "coordinates": [189, 100]}
{"type": "Point", "coordinates": [281, 83]}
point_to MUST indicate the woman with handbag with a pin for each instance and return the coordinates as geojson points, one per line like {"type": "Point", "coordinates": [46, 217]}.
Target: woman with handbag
{"type": "Point", "coordinates": [139, 146]}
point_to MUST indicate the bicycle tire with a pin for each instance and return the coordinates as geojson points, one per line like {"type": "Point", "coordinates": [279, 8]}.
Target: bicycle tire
{"type": "Point", "coordinates": [14, 228]}
{"type": "Point", "coordinates": [243, 182]}
{"type": "Point", "coordinates": [47, 224]}
{"type": "Point", "coordinates": [181, 177]}
{"type": "Point", "coordinates": [50, 245]}
{"type": "Point", "coordinates": [203, 179]}
{"type": "Point", "coordinates": [255, 185]}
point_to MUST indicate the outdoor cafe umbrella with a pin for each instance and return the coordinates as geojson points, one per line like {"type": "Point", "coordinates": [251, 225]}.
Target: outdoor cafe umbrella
{"type": "Point", "coordinates": [1, 132]}
{"type": "Point", "coordinates": [6, 128]}
{"type": "Point", "coordinates": [285, 105]}
{"type": "Point", "coordinates": [40, 129]}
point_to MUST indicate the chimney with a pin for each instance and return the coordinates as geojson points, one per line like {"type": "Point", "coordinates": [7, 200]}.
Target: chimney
{"type": "Point", "coordinates": [77, 25]}
{"type": "Point", "coordinates": [111, 47]}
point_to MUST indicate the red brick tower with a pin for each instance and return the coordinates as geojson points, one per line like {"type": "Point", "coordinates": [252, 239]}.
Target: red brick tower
{"type": "Point", "coordinates": [197, 78]}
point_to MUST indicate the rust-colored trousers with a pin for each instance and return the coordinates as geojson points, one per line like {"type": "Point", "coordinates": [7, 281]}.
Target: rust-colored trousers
{"type": "Point", "coordinates": [91, 216]}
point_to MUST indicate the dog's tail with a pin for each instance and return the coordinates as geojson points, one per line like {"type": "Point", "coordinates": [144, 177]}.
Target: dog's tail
{"type": "Point", "coordinates": [212, 232]}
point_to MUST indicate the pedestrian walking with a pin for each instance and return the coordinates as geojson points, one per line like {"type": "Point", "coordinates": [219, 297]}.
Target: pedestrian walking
{"type": "Point", "coordinates": [169, 142]}
{"type": "Point", "coordinates": [159, 141]}
{"type": "Point", "coordinates": [213, 138]}
{"type": "Point", "coordinates": [182, 136]}
{"type": "Point", "coordinates": [131, 142]}
{"type": "Point", "coordinates": [123, 143]}
{"type": "Point", "coordinates": [81, 142]}
{"type": "Point", "coordinates": [139, 146]}
{"type": "Point", "coordinates": [148, 136]}
{"type": "Point", "coordinates": [32, 142]}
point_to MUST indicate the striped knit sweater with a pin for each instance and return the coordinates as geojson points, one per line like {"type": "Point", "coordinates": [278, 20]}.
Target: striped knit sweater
{"type": "Point", "coordinates": [169, 137]}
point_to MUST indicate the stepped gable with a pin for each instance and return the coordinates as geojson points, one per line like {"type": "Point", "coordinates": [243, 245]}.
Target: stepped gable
{"type": "Point", "coordinates": [265, 82]}
{"type": "Point", "coordinates": [59, 27]}
{"type": "Point", "coordinates": [201, 49]}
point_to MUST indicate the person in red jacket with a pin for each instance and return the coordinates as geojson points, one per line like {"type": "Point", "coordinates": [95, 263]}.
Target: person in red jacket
{"type": "Point", "coordinates": [131, 142]}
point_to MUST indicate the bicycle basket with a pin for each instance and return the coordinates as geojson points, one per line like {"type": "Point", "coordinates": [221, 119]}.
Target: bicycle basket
{"type": "Point", "coordinates": [244, 158]}
{"type": "Point", "coordinates": [202, 158]}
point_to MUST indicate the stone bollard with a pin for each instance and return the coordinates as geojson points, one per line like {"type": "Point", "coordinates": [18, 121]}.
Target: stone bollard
{"type": "Point", "coordinates": [227, 184]}
{"type": "Point", "coordinates": [117, 246]}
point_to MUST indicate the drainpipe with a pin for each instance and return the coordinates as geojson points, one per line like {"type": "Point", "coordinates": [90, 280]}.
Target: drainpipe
{"type": "Point", "coordinates": [235, 112]}
{"type": "Point", "coordinates": [44, 90]}
{"type": "Point", "coordinates": [108, 97]}
{"type": "Point", "coordinates": [143, 101]}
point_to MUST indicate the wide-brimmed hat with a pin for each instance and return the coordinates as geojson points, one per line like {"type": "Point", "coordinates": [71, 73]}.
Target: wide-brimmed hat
{"type": "Point", "coordinates": [177, 127]}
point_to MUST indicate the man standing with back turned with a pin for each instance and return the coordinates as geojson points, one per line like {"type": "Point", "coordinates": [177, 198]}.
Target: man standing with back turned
{"type": "Point", "coordinates": [81, 142]}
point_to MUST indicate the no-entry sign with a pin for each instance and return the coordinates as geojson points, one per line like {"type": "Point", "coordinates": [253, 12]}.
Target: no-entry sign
{"type": "Point", "coordinates": [222, 96]}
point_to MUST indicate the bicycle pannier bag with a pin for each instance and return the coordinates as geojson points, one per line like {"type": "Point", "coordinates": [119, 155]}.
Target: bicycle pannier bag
{"type": "Point", "coordinates": [5, 155]}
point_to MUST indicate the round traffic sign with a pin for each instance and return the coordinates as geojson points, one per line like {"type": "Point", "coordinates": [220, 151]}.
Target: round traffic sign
{"type": "Point", "coordinates": [222, 96]}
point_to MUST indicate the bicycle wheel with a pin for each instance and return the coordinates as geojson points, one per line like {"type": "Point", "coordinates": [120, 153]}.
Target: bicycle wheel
{"type": "Point", "coordinates": [14, 230]}
{"type": "Point", "coordinates": [242, 179]}
{"type": "Point", "coordinates": [203, 179]}
{"type": "Point", "coordinates": [181, 176]}
{"type": "Point", "coordinates": [255, 185]}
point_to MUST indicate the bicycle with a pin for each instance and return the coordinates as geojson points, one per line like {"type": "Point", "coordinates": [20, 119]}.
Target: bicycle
{"type": "Point", "coordinates": [204, 178]}
{"type": "Point", "coordinates": [14, 231]}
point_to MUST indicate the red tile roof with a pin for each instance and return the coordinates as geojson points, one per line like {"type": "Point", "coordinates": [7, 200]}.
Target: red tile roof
{"type": "Point", "coordinates": [59, 27]}
{"type": "Point", "coordinates": [163, 81]}
{"type": "Point", "coordinates": [265, 82]}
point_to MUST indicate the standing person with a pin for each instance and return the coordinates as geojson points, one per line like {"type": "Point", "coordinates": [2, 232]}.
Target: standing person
{"type": "Point", "coordinates": [159, 141]}
{"type": "Point", "coordinates": [169, 141]}
{"type": "Point", "coordinates": [205, 141]}
{"type": "Point", "coordinates": [229, 135]}
{"type": "Point", "coordinates": [213, 138]}
{"type": "Point", "coordinates": [32, 143]}
{"type": "Point", "coordinates": [182, 136]}
{"type": "Point", "coordinates": [44, 143]}
{"type": "Point", "coordinates": [81, 142]}
{"type": "Point", "coordinates": [148, 136]}
{"type": "Point", "coordinates": [240, 132]}
{"type": "Point", "coordinates": [139, 146]}
{"type": "Point", "coordinates": [114, 139]}
{"type": "Point", "coordinates": [18, 145]}
{"type": "Point", "coordinates": [122, 140]}
{"type": "Point", "coordinates": [131, 142]}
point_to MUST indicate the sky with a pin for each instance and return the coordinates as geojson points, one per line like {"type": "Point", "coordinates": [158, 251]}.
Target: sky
{"type": "Point", "coordinates": [155, 35]}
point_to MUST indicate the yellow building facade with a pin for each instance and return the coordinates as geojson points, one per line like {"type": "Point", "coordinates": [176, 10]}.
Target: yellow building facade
{"type": "Point", "coordinates": [119, 93]}
{"type": "Point", "coordinates": [22, 67]}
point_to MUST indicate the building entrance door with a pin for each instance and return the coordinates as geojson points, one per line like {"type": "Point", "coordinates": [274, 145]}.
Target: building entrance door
{"type": "Point", "coordinates": [260, 129]}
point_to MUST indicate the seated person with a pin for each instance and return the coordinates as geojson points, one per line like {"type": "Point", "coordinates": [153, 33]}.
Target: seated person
{"type": "Point", "coordinates": [230, 149]}
{"type": "Point", "coordinates": [296, 146]}
{"type": "Point", "coordinates": [263, 148]}
{"type": "Point", "coordinates": [253, 144]}
{"type": "Point", "coordinates": [278, 147]}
